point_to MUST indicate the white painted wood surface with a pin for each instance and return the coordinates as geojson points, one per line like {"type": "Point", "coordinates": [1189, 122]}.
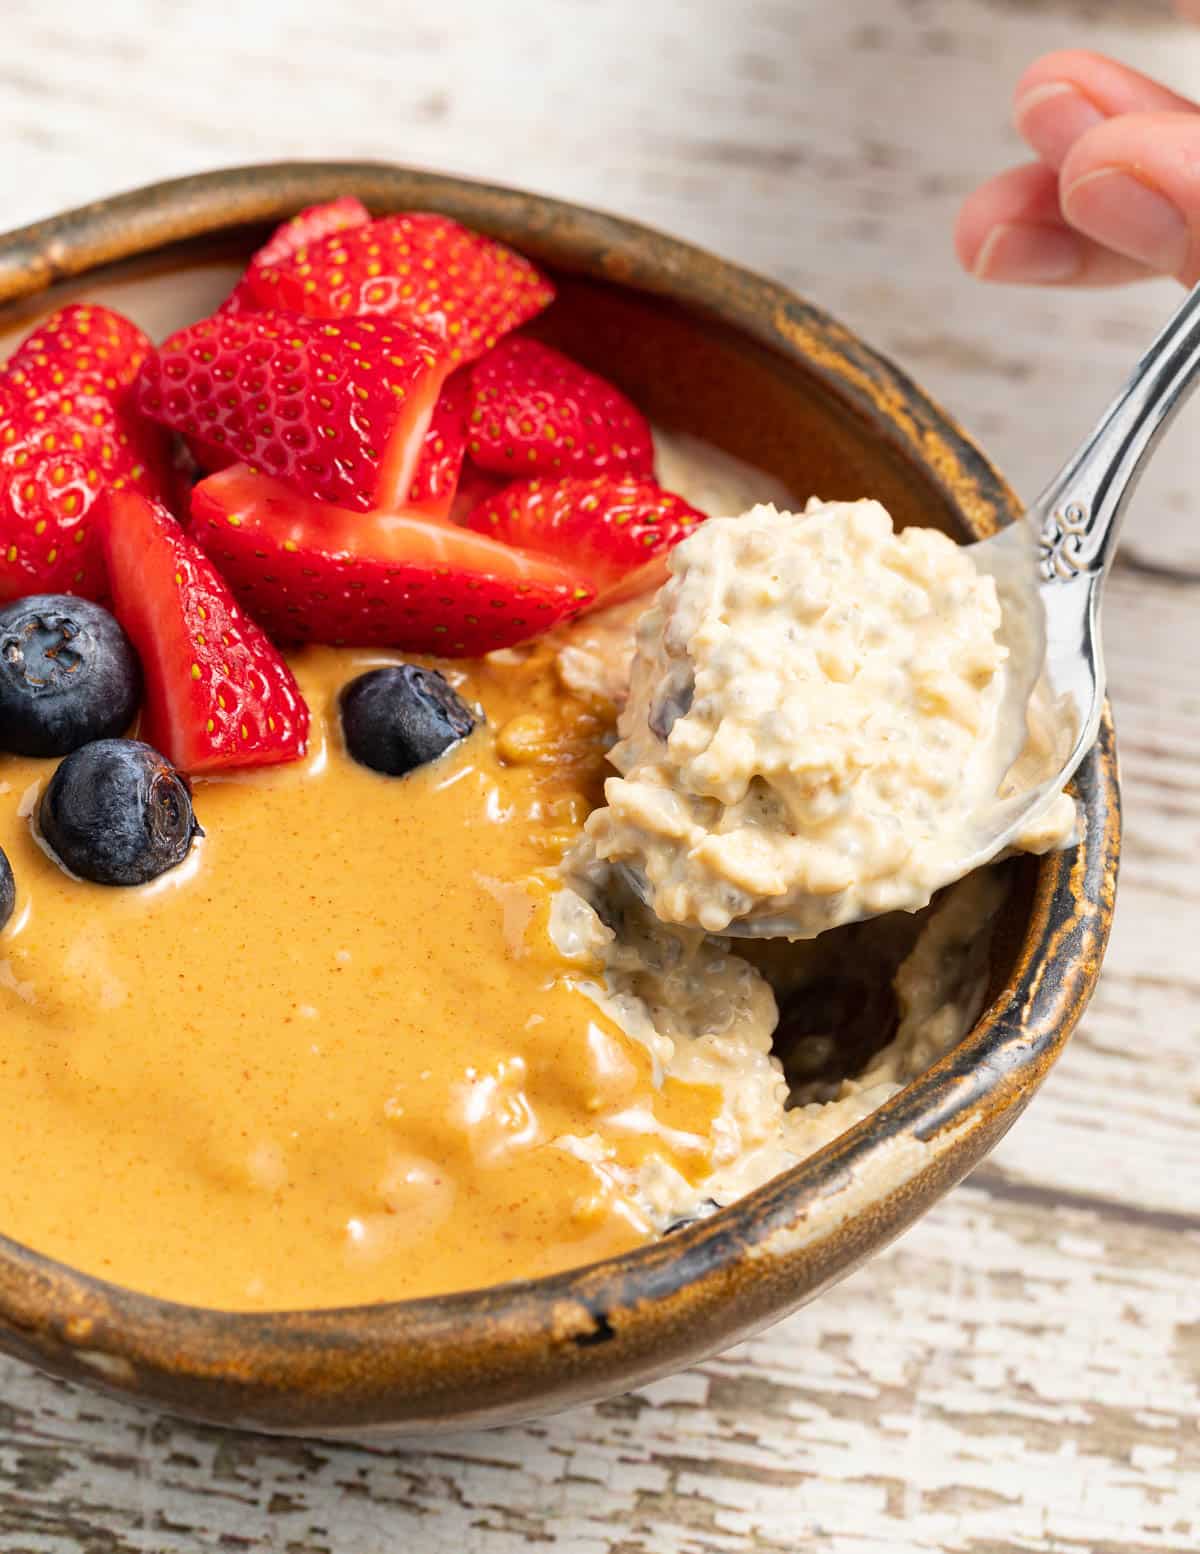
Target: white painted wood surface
{"type": "Point", "coordinates": [1022, 1372]}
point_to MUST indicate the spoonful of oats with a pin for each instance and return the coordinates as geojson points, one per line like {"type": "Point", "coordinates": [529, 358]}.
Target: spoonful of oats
{"type": "Point", "coordinates": [829, 720]}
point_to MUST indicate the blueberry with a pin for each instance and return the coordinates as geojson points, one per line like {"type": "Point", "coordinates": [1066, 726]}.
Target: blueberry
{"type": "Point", "coordinates": [68, 675]}
{"type": "Point", "coordinates": [399, 718]}
{"type": "Point", "coordinates": [118, 813]}
{"type": "Point", "coordinates": [8, 889]}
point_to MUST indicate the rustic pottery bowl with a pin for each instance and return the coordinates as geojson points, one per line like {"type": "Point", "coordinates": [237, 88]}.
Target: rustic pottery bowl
{"type": "Point", "coordinates": [710, 349]}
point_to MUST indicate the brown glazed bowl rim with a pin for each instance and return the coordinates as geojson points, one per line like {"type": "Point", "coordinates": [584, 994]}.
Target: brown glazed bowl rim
{"type": "Point", "coordinates": [517, 1349]}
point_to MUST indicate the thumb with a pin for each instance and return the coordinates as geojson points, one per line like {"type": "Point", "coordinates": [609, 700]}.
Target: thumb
{"type": "Point", "coordinates": [1133, 185]}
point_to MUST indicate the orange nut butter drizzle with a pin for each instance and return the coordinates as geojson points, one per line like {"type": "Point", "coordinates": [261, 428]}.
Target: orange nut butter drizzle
{"type": "Point", "coordinates": [326, 1061]}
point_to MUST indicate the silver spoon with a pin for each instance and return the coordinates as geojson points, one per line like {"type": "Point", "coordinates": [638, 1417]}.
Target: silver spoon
{"type": "Point", "coordinates": [1050, 568]}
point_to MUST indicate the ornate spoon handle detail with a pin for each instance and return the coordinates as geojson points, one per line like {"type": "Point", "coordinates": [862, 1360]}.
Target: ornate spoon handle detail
{"type": "Point", "coordinates": [1078, 515]}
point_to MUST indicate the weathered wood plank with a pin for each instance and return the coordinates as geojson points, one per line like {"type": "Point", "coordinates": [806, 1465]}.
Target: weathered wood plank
{"type": "Point", "coordinates": [1021, 1372]}
{"type": "Point", "coordinates": [1007, 1373]}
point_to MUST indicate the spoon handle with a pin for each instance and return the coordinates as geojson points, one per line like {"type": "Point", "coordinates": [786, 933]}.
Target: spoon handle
{"type": "Point", "coordinates": [1078, 515]}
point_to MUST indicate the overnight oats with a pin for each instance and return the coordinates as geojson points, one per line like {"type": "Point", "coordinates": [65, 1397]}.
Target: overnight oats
{"type": "Point", "coordinates": [391, 727]}
{"type": "Point", "coordinates": [812, 724]}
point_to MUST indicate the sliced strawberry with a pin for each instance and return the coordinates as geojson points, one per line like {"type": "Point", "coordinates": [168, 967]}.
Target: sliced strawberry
{"type": "Point", "coordinates": [310, 226]}
{"type": "Point", "coordinates": [617, 532]}
{"type": "Point", "coordinates": [437, 476]}
{"type": "Point", "coordinates": [307, 226]}
{"type": "Point", "coordinates": [313, 572]}
{"type": "Point", "coordinates": [418, 268]}
{"type": "Point", "coordinates": [46, 500]}
{"type": "Point", "coordinates": [536, 412]}
{"type": "Point", "coordinates": [338, 410]}
{"type": "Point", "coordinates": [82, 348]}
{"type": "Point", "coordinates": [218, 694]}
{"type": "Point", "coordinates": [52, 470]}
{"type": "Point", "coordinates": [68, 432]}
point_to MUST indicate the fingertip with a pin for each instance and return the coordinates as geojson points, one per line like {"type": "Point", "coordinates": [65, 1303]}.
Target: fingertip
{"type": "Point", "coordinates": [1024, 194]}
{"type": "Point", "coordinates": [1058, 67]}
{"type": "Point", "coordinates": [1133, 184]}
{"type": "Point", "coordinates": [1010, 230]}
{"type": "Point", "coordinates": [1111, 87]}
{"type": "Point", "coordinates": [1026, 253]}
{"type": "Point", "coordinates": [1006, 234]}
{"type": "Point", "coordinates": [1116, 142]}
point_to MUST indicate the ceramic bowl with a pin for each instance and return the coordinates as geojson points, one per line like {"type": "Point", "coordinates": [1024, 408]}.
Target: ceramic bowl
{"type": "Point", "coordinates": [707, 348]}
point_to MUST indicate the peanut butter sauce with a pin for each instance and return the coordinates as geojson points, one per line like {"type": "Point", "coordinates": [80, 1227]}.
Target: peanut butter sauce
{"type": "Point", "coordinates": [333, 1057]}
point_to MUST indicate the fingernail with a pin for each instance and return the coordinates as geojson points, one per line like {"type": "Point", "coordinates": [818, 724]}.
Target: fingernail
{"type": "Point", "coordinates": [1117, 209]}
{"type": "Point", "coordinates": [1023, 254]}
{"type": "Point", "coordinates": [1052, 117]}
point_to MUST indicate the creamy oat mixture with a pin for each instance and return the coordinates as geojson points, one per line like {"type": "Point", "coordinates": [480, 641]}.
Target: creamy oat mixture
{"type": "Point", "coordinates": [815, 718]}
{"type": "Point", "coordinates": [707, 1016]}
{"type": "Point", "coordinates": [805, 706]}
{"type": "Point", "coordinates": [756, 703]}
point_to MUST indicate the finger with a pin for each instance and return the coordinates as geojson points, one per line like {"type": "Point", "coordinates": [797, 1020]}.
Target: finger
{"type": "Point", "coordinates": [1133, 185]}
{"type": "Point", "coordinates": [1188, 9]}
{"type": "Point", "coordinates": [1012, 230]}
{"type": "Point", "coordinates": [1063, 95]}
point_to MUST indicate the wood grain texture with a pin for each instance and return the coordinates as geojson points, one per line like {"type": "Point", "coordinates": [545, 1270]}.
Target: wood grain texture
{"type": "Point", "coordinates": [1022, 1372]}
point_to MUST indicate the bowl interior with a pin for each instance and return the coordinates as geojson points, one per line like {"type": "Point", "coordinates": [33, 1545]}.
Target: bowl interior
{"type": "Point", "coordinates": [690, 372]}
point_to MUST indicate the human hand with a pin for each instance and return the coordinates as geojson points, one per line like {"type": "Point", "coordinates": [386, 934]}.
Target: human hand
{"type": "Point", "coordinates": [1115, 193]}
